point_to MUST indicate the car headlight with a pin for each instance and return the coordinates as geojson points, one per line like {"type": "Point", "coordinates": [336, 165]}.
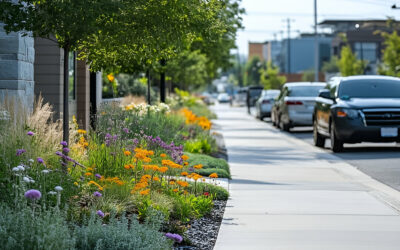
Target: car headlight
{"type": "Point", "coordinates": [350, 113]}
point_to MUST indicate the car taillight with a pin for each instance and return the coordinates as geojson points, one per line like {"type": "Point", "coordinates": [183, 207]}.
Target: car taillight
{"type": "Point", "coordinates": [265, 101]}
{"type": "Point", "coordinates": [294, 103]}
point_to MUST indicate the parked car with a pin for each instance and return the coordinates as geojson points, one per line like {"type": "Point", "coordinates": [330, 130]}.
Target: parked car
{"type": "Point", "coordinates": [223, 98]}
{"type": "Point", "coordinates": [239, 98]}
{"type": "Point", "coordinates": [265, 102]}
{"type": "Point", "coordinates": [295, 104]}
{"type": "Point", "coordinates": [253, 93]}
{"type": "Point", "coordinates": [358, 109]}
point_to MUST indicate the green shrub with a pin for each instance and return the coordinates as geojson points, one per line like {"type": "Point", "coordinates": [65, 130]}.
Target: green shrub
{"type": "Point", "coordinates": [217, 192]}
{"type": "Point", "coordinates": [210, 165]}
{"type": "Point", "coordinates": [20, 229]}
{"type": "Point", "coordinates": [120, 234]}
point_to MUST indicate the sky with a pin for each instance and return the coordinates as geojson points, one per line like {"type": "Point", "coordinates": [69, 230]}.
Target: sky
{"type": "Point", "coordinates": [266, 18]}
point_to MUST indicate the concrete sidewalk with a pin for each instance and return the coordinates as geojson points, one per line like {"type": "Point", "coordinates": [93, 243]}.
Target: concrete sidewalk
{"type": "Point", "coordinates": [286, 194]}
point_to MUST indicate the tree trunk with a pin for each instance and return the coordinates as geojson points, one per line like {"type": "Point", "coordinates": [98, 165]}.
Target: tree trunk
{"type": "Point", "coordinates": [162, 81]}
{"type": "Point", "coordinates": [148, 87]}
{"type": "Point", "coordinates": [66, 95]}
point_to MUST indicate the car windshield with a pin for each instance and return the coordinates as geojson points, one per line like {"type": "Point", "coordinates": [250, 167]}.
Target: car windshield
{"type": "Point", "coordinates": [369, 88]}
{"type": "Point", "coordinates": [255, 92]}
{"type": "Point", "coordinates": [305, 91]}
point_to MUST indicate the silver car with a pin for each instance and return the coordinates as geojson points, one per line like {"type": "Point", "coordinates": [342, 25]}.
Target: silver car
{"type": "Point", "coordinates": [295, 104]}
{"type": "Point", "coordinates": [265, 102]}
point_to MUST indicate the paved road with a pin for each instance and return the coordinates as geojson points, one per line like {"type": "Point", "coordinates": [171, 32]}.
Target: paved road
{"type": "Point", "coordinates": [379, 160]}
{"type": "Point", "coordinates": [287, 194]}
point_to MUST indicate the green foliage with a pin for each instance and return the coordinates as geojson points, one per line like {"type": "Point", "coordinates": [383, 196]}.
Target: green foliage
{"type": "Point", "coordinates": [122, 233]}
{"type": "Point", "coordinates": [331, 66]}
{"type": "Point", "coordinates": [270, 77]}
{"type": "Point", "coordinates": [24, 229]}
{"type": "Point", "coordinates": [210, 165]}
{"type": "Point", "coordinates": [391, 55]}
{"type": "Point", "coordinates": [308, 76]}
{"type": "Point", "coordinates": [348, 63]}
{"type": "Point", "coordinates": [252, 74]}
{"type": "Point", "coordinates": [217, 192]}
{"type": "Point", "coordinates": [200, 145]}
{"type": "Point", "coordinates": [189, 206]}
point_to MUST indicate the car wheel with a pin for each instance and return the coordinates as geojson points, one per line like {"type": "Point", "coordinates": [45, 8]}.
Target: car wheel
{"type": "Point", "coordinates": [283, 126]}
{"type": "Point", "coordinates": [273, 120]}
{"type": "Point", "coordinates": [319, 141]}
{"type": "Point", "coordinates": [336, 144]}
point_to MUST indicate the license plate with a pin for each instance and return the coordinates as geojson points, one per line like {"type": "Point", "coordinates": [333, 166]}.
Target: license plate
{"type": "Point", "coordinates": [389, 132]}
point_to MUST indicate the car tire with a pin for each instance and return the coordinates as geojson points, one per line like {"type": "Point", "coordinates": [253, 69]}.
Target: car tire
{"type": "Point", "coordinates": [336, 144]}
{"type": "Point", "coordinates": [283, 126]}
{"type": "Point", "coordinates": [273, 120]}
{"type": "Point", "coordinates": [319, 140]}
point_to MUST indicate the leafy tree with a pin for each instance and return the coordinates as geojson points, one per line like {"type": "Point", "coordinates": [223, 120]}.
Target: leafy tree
{"type": "Point", "coordinates": [270, 78]}
{"type": "Point", "coordinates": [331, 66]}
{"type": "Point", "coordinates": [348, 63]}
{"type": "Point", "coordinates": [252, 71]}
{"type": "Point", "coordinates": [67, 22]}
{"type": "Point", "coordinates": [391, 55]}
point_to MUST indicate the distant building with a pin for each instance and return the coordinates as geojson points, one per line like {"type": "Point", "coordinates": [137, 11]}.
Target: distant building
{"type": "Point", "coordinates": [297, 55]}
{"type": "Point", "coordinates": [362, 36]}
{"type": "Point", "coordinates": [257, 49]}
{"type": "Point", "coordinates": [273, 52]}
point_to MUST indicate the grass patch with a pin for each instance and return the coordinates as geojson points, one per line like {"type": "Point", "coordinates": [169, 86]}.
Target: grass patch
{"type": "Point", "coordinates": [210, 165]}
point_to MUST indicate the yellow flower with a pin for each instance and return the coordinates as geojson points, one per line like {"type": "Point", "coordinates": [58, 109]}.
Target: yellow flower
{"type": "Point", "coordinates": [81, 131]}
{"type": "Point", "coordinates": [186, 163]}
{"type": "Point", "coordinates": [185, 157]}
{"type": "Point", "coordinates": [110, 77]}
{"type": "Point", "coordinates": [213, 175]}
{"type": "Point", "coordinates": [89, 169]}
{"type": "Point", "coordinates": [198, 166]}
{"type": "Point", "coordinates": [163, 155]}
{"type": "Point", "coordinates": [127, 153]}
{"type": "Point", "coordinates": [76, 183]}
{"type": "Point", "coordinates": [69, 169]}
{"type": "Point", "coordinates": [171, 182]}
{"type": "Point", "coordinates": [145, 192]}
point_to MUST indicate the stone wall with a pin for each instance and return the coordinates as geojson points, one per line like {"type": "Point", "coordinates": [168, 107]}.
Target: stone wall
{"type": "Point", "coordinates": [17, 56]}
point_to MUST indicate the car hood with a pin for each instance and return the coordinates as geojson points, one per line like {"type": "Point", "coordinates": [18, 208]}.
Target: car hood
{"type": "Point", "coordinates": [371, 103]}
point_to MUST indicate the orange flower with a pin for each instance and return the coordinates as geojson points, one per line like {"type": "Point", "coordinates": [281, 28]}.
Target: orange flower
{"type": "Point", "coordinates": [163, 169]}
{"type": "Point", "coordinates": [175, 190]}
{"type": "Point", "coordinates": [145, 192]}
{"type": "Point", "coordinates": [182, 183]}
{"type": "Point", "coordinates": [147, 159]}
{"type": "Point", "coordinates": [127, 153]}
{"type": "Point", "coordinates": [213, 175]}
{"type": "Point", "coordinates": [155, 178]}
{"type": "Point", "coordinates": [110, 77]}
{"type": "Point", "coordinates": [186, 163]}
{"type": "Point", "coordinates": [185, 157]}
{"type": "Point", "coordinates": [163, 155]}
{"type": "Point", "coordinates": [145, 177]}
{"type": "Point", "coordinates": [127, 166]}
{"type": "Point", "coordinates": [88, 174]}
{"type": "Point", "coordinates": [171, 182]}
{"type": "Point", "coordinates": [198, 166]}
{"type": "Point", "coordinates": [89, 169]}
{"type": "Point", "coordinates": [184, 173]}
{"type": "Point", "coordinates": [81, 131]}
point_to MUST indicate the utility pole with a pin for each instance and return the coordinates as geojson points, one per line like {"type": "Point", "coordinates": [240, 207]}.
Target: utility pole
{"type": "Point", "coordinates": [316, 45]}
{"type": "Point", "coordinates": [240, 78]}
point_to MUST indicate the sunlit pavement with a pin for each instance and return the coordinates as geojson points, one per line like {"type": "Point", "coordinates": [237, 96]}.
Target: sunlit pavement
{"type": "Point", "coordinates": [287, 194]}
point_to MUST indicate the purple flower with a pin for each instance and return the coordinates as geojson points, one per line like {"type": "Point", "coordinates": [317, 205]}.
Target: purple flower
{"type": "Point", "coordinates": [97, 194]}
{"type": "Point", "coordinates": [33, 194]}
{"type": "Point", "coordinates": [174, 237]}
{"type": "Point", "coordinates": [66, 150]}
{"type": "Point", "coordinates": [30, 133]}
{"type": "Point", "coordinates": [64, 143]}
{"type": "Point", "coordinates": [126, 130]}
{"type": "Point", "coordinates": [40, 160]}
{"type": "Point", "coordinates": [97, 176]}
{"type": "Point", "coordinates": [100, 213]}
{"type": "Point", "coordinates": [20, 152]}
{"type": "Point", "coordinates": [59, 153]}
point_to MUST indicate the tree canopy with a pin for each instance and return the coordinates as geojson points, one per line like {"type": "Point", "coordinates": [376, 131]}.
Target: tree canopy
{"type": "Point", "coordinates": [252, 73]}
{"type": "Point", "coordinates": [348, 63]}
{"type": "Point", "coordinates": [270, 78]}
{"type": "Point", "coordinates": [391, 55]}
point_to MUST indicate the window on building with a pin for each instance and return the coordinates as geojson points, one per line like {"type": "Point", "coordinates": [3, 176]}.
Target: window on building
{"type": "Point", "coordinates": [366, 51]}
{"type": "Point", "coordinates": [72, 74]}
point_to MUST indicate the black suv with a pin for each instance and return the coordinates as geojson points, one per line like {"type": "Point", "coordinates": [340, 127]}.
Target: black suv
{"type": "Point", "coordinates": [357, 109]}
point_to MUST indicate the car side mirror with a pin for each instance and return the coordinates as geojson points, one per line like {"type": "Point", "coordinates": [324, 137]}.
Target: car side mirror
{"type": "Point", "coordinates": [324, 93]}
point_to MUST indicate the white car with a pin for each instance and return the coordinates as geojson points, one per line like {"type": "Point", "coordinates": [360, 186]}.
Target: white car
{"type": "Point", "coordinates": [223, 97]}
{"type": "Point", "coordinates": [265, 102]}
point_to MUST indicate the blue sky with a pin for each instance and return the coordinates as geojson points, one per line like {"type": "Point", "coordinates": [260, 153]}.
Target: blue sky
{"type": "Point", "coordinates": [264, 18]}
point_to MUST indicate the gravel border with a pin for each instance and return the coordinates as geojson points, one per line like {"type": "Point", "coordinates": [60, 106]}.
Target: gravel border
{"type": "Point", "coordinates": [203, 232]}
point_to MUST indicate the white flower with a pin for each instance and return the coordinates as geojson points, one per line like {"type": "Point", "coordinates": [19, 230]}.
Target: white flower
{"type": "Point", "coordinates": [58, 188]}
{"type": "Point", "coordinates": [26, 179]}
{"type": "Point", "coordinates": [52, 193]}
{"type": "Point", "coordinates": [31, 160]}
{"type": "Point", "coordinates": [15, 169]}
{"type": "Point", "coordinates": [45, 171]}
{"type": "Point", "coordinates": [21, 168]}
{"type": "Point", "coordinates": [32, 181]}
